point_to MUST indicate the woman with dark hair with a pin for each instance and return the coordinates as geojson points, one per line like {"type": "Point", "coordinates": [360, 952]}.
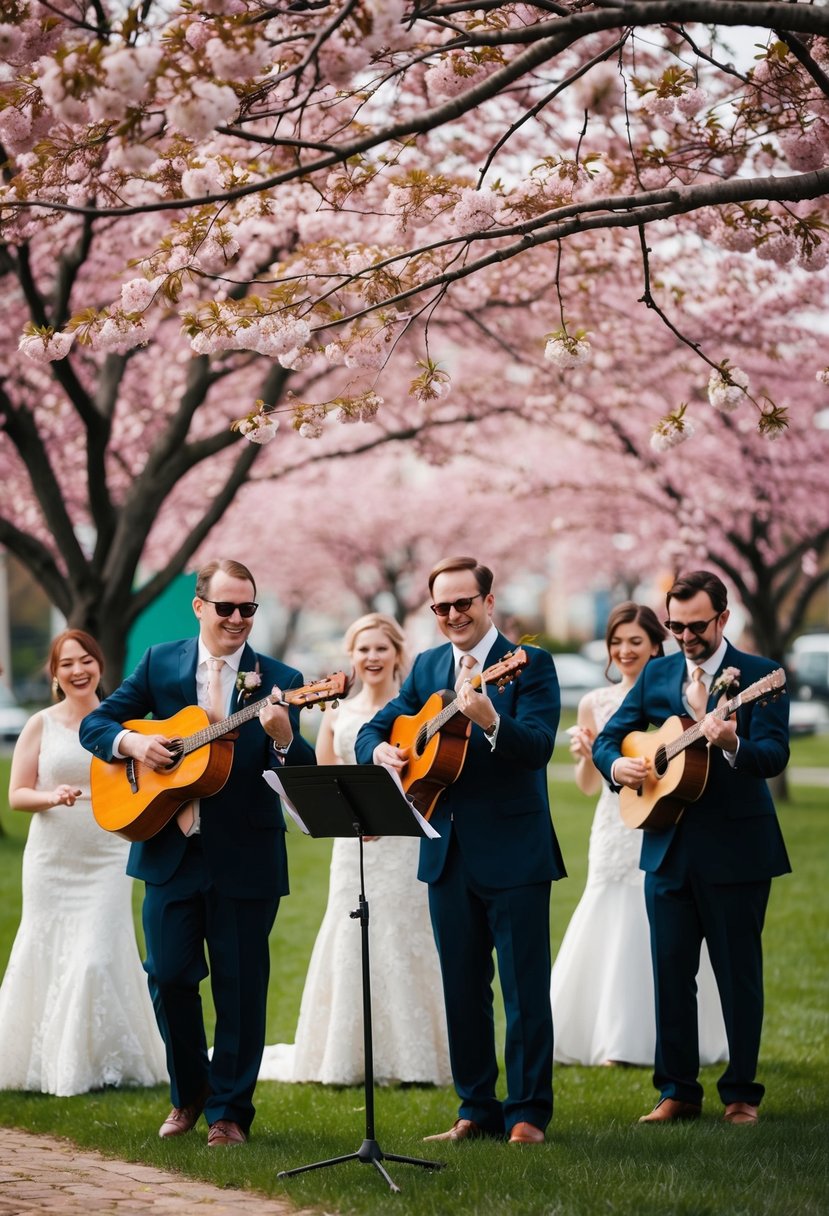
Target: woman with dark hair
{"type": "Point", "coordinates": [602, 978]}
{"type": "Point", "coordinates": [75, 1013]}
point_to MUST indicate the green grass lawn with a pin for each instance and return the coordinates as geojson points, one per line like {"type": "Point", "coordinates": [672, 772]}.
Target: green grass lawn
{"type": "Point", "coordinates": [597, 1158]}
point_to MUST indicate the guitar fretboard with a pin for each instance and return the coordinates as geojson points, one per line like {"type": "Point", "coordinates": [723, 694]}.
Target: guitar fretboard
{"type": "Point", "coordinates": [216, 729]}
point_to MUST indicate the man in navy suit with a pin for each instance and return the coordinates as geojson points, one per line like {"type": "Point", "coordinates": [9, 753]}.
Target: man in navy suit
{"type": "Point", "coordinates": [709, 875]}
{"type": "Point", "coordinates": [215, 873]}
{"type": "Point", "coordinates": [490, 871]}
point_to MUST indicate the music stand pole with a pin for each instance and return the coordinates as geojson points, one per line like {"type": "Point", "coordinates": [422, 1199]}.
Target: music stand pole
{"type": "Point", "coordinates": [369, 1152]}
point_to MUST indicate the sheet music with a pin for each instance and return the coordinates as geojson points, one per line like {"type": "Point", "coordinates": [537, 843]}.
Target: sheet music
{"type": "Point", "coordinates": [275, 783]}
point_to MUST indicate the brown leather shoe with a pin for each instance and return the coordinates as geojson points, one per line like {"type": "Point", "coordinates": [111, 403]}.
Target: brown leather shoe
{"type": "Point", "coordinates": [182, 1119]}
{"type": "Point", "coordinates": [526, 1133]}
{"type": "Point", "coordinates": [741, 1112]}
{"type": "Point", "coordinates": [461, 1129]}
{"type": "Point", "coordinates": [223, 1131]}
{"type": "Point", "coordinates": [669, 1110]}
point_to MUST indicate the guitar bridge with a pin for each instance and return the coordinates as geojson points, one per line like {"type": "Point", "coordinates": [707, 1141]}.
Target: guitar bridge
{"type": "Point", "coordinates": [131, 774]}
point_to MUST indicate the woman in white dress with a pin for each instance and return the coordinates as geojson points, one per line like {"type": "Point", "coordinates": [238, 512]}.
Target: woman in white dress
{"type": "Point", "coordinates": [409, 1037]}
{"type": "Point", "coordinates": [75, 1012]}
{"type": "Point", "coordinates": [602, 978]}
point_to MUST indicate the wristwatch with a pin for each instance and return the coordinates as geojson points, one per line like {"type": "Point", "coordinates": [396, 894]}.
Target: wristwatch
{"type": "Point", "coordinates": [281, 751]}
{"type": "Point", "coordinates": [489, 731]}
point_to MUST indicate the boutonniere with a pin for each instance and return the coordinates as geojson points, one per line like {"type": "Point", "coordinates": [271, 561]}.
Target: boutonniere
{"type": "Point", "coordinates": [727, 682]}
{"type": "Point", "coordinates": [247, 681]}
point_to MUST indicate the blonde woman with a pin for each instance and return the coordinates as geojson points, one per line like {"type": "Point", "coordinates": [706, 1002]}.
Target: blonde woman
{"type": "Point", "coordinates": [408, 1021]}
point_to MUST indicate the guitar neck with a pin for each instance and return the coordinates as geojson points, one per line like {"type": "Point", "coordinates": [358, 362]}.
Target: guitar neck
{"type": "Point", "coordinates": [439, 721]}
{"type": "Point", "coordinates": [693, 733]}
{"type": "Point", "coordinates": [217, 729]}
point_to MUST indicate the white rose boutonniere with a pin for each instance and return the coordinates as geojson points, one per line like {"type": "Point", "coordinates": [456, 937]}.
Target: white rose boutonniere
{"type": "Point", "coordinates": [247, 682]}
{"type": "Point", "coordinates": [727, 682]}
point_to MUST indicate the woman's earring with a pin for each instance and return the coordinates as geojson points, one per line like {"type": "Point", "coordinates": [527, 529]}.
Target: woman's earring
{"type": "Point", "coordinates": [55, 687]}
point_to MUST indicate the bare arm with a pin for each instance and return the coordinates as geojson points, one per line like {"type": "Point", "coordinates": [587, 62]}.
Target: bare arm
{"type": "Point", "coordinates": [23, 796]}
{"type": "Point", "coordinates": [588, 778]}
{"type": "Point", "coordinates": [325, 739]}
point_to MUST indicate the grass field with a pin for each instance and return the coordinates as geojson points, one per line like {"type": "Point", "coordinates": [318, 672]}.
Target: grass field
{"type": "Point", "coordinates": [597, 1158]}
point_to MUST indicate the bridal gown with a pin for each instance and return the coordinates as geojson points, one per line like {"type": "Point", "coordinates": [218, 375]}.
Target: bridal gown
{"type": "Point", "coordinates": [409, 1037]}
{"type": "Point", "coordinates": [602, 978]}
{"type": "Point", "coordinates": [75, 1012]}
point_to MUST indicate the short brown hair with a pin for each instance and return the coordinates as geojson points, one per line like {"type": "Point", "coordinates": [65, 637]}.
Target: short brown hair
{"type": "Point", "coordinates": [483, 574]}
{"type": "Point", "coordinates": [227, 566]}
{"type": "Point", "coordinates": [84, 640]}
{"type": "Point", "coordinates": [686, 587]}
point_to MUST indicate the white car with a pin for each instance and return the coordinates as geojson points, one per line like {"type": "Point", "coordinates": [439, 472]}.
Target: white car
{"type": "Point", "coordinates": [12, 716]}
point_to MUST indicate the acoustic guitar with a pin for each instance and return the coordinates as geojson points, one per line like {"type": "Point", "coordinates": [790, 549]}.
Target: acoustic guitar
{"type": "Point", "coordinates": [437, 737]}
{"type": "Point", "coordinates": [678, 755]}
{"type": "Point", "coordinates": [136, 801]}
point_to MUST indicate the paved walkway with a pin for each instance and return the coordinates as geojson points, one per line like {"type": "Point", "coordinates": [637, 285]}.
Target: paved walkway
{"type": "Point", "coordinates": [44, 1175]}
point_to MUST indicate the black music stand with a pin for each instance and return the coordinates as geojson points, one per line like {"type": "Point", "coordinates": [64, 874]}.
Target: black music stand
{"type": "Point", "coordinates": [354, 800]}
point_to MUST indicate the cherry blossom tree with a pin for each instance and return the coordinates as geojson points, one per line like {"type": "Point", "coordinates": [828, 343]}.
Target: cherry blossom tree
{"type": "Point", "coordinates": [425, 219]}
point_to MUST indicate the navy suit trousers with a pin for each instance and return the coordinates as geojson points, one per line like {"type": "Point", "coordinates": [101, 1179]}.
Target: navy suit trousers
{"type": "Point", "coordinates": [468, 921]}
{"type": "Point", "coordinates": [179, 917]}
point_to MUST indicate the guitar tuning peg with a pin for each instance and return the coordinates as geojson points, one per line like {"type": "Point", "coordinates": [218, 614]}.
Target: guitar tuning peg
{"type": "Point", "coordinates": [335, 704]}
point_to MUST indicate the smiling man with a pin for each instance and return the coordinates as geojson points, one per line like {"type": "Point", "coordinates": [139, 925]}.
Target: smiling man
{"type": "Point", "coordinates": [490, 870]}
{"type": "Point", "coordinates": [214, 874]}
{"type": "Point", "coordinates": [709, 874]}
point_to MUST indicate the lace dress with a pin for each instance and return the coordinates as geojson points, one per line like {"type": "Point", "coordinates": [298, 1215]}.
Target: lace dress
{"type": "Point", "coordinates": [75, 1012]}
{"type": "Point", "coordinates": [408, 1020]}
{"type": "Point", "coordinates": [602, 978]}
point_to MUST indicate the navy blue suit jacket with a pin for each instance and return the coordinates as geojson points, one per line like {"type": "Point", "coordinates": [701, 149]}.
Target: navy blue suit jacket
{"type": "Point", "coordinates": [242, 828]}
{"type": "Point", "coordinates": [498, 807]}
{"type": "Point", "coordinates": [731, 833]}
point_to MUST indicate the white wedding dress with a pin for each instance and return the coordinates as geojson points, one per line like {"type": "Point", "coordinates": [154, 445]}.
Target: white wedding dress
{"type": "Point", "coordinates": [75, 1012]}
{"type": "Point", "coordinates": [409, 1039]}
{"type": "Point", "coordinates": [602, 978]}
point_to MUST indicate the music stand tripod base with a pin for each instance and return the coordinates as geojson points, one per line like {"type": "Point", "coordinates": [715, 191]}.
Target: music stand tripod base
{"type": "Point", "coordinates": [355, 800]}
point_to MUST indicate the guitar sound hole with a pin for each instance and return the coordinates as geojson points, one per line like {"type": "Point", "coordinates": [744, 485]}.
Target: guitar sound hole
{"type": "Point", "coordinates": [660, 762]}
{"type": "Point", "coordinates": [177, 748]}
{"type": "Point", "coordinates": [420, 742]}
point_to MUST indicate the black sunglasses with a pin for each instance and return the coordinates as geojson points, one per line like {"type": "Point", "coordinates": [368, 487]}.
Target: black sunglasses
{"type": "Point", "coordinates": [225, 608]}
{"type": "Point", "coordinates": [698, 628]}
{"type": "Point", "coordinates": [459, 605]}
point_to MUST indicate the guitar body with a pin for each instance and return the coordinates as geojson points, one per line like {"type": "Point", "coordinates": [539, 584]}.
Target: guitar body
{"type": "Point", "coordinates": [436, 762]}
{"type": "Point", "coordinates": [670, 784]}
{"type": "Point", "coordinates": [138, 813]}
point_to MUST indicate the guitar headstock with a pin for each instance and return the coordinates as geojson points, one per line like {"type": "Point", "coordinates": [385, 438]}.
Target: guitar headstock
{"type": "Point", "coordinates": [772, 685]}
{"type": "Point", "coordinates": [505, 670]}
{"type": "Point", "coordinates": [767, 688]}
{"type": "Point", "coordinates": [329, 689]}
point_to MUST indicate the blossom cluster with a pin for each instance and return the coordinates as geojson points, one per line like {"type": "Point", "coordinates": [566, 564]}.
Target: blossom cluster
{"type": "Point", "coordinates": [566, 350]}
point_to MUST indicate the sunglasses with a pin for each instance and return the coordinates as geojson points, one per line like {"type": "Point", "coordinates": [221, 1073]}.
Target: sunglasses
{"type": "Point", "coordinates": [459, 605]}
{"type": "Point", "coordinates": [225, 608]}
{"type": "Point", "coordinates": [698, 628]}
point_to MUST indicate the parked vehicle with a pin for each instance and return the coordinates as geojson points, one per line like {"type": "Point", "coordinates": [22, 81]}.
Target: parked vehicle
{"type": "Point", "coordinates": [808, 667]}
{"type": "Point", "coordinates": [808, 718]}
{"type": "Point", "coordinates": [12, 716]}
{"type": "Point", "coordinates": [577, 675]}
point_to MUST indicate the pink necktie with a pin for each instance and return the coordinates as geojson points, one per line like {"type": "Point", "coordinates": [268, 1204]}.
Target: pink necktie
{"type": "Point", "coordinates": [466, 663]}
{"type": "Point", "coordinates": [697, 694]}
{"type": "Point", "coordinates": [186, 817]}
{"type": "Point", "coordinates": [215, 695]}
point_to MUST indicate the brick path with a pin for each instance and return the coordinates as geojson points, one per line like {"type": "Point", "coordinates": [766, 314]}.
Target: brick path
{"type": "Point", "coordinates": [44, 1175]}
